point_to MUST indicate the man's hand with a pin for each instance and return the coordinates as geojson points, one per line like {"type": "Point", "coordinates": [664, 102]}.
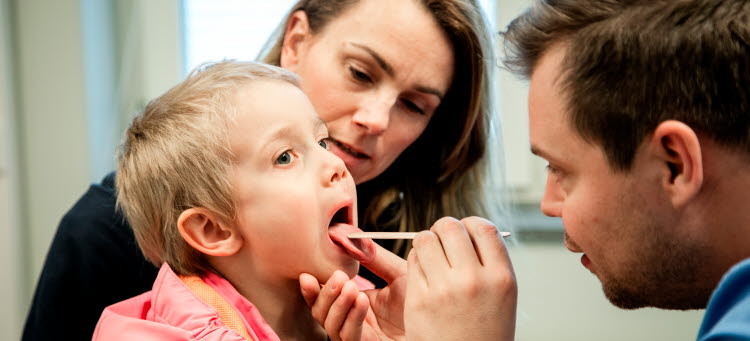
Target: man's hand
{"type": "Point", "coordinates": [461, 284]}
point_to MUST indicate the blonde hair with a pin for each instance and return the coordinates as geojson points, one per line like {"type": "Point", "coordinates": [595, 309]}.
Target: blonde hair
{"type": "Point", "coordinates": [175, 155]}
{"type": "Point", "coordinates": [448, 170]}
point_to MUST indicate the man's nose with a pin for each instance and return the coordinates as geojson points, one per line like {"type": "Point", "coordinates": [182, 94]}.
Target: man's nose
{"type": "Point", "coordinates": [552, 201]}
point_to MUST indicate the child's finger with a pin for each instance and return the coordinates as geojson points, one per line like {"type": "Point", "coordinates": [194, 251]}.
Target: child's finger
{"type": "Point", "coordinates": [352, 328]}
{"type": "Point", "coordinates": [339, 310]}
{"type": "Point", "coordinates": [310, 288]}
{"type": "Point", "coordinates": [328, 294]}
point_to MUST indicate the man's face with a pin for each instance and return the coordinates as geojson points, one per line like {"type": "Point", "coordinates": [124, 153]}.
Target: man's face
{"type": "Point", "coordinates": [621, 221]}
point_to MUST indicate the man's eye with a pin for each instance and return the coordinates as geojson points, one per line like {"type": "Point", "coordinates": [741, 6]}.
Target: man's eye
{"type": "Point", "coordinates": [324, 143]}
{"type": "Point", "coordinates": [285, 158]}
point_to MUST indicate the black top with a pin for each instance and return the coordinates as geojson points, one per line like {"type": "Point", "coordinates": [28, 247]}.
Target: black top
{"type": "Point", "coordinates": [94, 261]}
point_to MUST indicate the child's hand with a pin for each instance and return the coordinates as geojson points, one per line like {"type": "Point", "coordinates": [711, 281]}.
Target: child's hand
{"type": "Point", "coordinates": [348, 314]}
{"type": "Point", "coordinates": [339, 306]}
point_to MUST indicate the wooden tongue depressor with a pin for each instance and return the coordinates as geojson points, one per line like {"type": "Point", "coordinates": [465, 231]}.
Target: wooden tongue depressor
{"type": "Point", "coordinates": [393, 235]}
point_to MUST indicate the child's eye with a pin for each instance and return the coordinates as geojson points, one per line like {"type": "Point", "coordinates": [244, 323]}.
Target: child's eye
{"type": "Point", "coordinates": [285, 158]}
{"type": "Point", "coordinates": [324, 143]}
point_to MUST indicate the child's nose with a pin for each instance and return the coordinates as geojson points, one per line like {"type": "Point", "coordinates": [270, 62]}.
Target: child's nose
{"type": "Point", "coordinates": [334, 169]}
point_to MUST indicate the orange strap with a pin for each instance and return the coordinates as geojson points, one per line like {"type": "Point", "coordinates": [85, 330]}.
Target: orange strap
{"type": "Point", "coordinates": [227, 314]}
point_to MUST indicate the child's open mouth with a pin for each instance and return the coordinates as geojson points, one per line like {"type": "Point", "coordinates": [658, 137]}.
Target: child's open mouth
{"type": "Point", "coordinates": [363, 250]}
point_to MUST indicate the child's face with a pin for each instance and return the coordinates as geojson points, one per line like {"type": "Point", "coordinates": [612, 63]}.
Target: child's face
{"type": "Point", "coordinates": [289, 188]}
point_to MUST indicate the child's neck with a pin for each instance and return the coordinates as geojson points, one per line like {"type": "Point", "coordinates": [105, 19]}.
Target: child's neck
{"type": "Point", "coordinates": [280, 303]}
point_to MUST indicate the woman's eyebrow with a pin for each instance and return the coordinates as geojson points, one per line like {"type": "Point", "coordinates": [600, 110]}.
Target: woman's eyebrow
{"type": "Point", "coordinates": [383, 64]}
{"type": "Point", "coordinates": [389, 70]}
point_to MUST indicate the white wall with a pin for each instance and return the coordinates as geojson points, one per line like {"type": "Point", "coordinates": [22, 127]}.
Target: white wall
{"type": "Point", "coordinates": [81, 68]}
{"type": "Point", "coordinates": [52, 117]}
{"type": "Point", "coordinates": [13, 307]}
{"type": "Point", "coordinates": [560, 300]}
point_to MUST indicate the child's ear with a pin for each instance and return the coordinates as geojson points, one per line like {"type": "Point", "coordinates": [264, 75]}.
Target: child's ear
{"type": "Point", "coordinates": [296, 34]}
{"type": "Point", "coordinates": [678, 149]}
{"type": "Point", "coordinates": [202, 229]}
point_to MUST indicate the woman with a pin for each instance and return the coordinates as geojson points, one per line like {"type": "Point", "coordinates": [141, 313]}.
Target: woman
{"type": "Point", "coordinates": [404, 89]}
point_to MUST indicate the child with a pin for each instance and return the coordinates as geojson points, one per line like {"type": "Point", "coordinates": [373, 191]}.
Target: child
{"type": "Point", "coordinates": [228, 184]}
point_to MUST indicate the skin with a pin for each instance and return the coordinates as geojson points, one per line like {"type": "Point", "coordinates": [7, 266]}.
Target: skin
{"type": "Point", "coordinates": [288, 186]}
{"type": "Point", "coordinates": [376, 75]}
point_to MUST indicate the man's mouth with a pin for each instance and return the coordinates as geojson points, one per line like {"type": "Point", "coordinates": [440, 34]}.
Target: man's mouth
{"type": "Point", "coordinates": [363, 250]}
{"type": "Point", "coordinates": [349, 150]}
{"type": "Point", "coordinates": [571, 245]}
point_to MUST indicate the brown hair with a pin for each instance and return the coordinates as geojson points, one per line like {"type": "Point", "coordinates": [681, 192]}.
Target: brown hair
{"type": "Point", "coordinates": [651, 61]}
{"type": "Point", "coordinates": [175, 155]}
{"type": "Point", "coordinates": [446, 170]}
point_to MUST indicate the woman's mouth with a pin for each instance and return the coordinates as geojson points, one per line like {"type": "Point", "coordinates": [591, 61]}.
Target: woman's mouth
{"type": "Point", "coordinates": [349, 150]}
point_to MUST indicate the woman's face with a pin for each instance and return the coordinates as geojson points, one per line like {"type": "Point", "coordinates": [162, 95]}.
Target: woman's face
{"type": "Point", "coordinates": [375, 74]}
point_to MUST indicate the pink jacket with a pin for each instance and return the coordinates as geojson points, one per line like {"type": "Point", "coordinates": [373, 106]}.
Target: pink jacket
{"type": "Point", "coordinates": [187, 308]}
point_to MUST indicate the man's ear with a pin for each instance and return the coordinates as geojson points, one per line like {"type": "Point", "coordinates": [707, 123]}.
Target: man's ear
{"type": "Point", "coordinates": [296, 35]}
{"type": "Point", "coordinates": [202, 229]}
{"type": "Point", "coordinates": [677, 147]}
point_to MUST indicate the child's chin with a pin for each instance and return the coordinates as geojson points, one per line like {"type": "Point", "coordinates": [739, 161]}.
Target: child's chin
{"type": "Point", "coordinates": [349, 268]}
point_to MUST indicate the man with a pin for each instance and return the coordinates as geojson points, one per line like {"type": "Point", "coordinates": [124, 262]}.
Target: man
{"type": "Point", "coordinates": [642, 109]}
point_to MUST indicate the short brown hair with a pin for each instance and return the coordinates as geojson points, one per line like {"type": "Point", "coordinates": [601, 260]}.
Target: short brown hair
{"type": "Point", "coordinates": [644, 62]}
{"type": "Point", "coordinates": [447, 169]}
{"type": "Point", "coordinates": [175, 155]}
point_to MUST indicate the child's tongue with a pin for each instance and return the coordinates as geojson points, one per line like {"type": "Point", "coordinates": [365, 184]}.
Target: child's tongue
{"type": "Point", "coordinates": [362, 250]}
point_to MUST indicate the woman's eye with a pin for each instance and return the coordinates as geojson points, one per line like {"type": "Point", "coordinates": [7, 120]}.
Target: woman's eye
{"type": "Point", "coordinates": [412, 107]}
{"type": "Point", "coordinates": [324, 143]}
{"type": "Point", "coordinates": [359, 75]}
{"type": "Point", "coordinates": [285, 158]}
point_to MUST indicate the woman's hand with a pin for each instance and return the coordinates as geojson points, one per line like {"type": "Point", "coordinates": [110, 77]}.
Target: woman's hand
{"type": "Point", "coordinates": [348, 314]}
{"type": "Point", "coordinates": [461, 284]}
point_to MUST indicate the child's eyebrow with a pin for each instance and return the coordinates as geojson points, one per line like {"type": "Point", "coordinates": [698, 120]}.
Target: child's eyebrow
{"type": "Point", "coordinates": [287, 129]}
{"type": "Point", "coordinates": [319, 122]}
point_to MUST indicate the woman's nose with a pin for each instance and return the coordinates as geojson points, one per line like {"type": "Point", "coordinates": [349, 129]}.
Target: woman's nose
{"type": "Point", "coordinates": [374, 115]}
{"type": "Point", "coordinates": [553, 199]}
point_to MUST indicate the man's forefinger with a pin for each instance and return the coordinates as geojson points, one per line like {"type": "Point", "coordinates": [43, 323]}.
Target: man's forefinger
{"type": "Point", "coordinates": [489, 245]}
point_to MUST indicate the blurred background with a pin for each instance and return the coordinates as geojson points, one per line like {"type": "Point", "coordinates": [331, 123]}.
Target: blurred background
{"type": "Point", "coordinates": [73, 72]}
